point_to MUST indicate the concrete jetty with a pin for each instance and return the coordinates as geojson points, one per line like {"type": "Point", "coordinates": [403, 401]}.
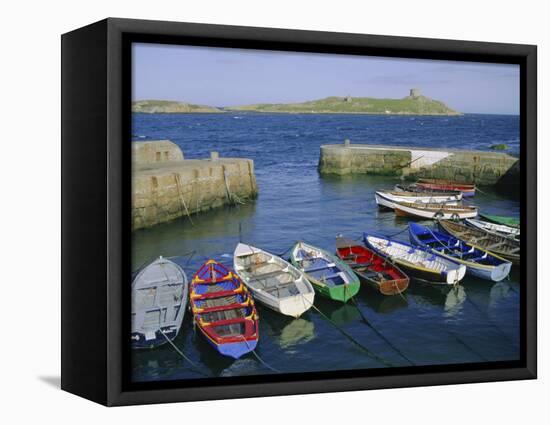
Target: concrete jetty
{"type": "Point", "coordinates": [166, 186]}
{"type": "Point", "coordinates": [480, 167]}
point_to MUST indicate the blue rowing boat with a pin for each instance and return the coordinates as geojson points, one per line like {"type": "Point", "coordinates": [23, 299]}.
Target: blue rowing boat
{"type": "Point", "coordinates": [478, 261]}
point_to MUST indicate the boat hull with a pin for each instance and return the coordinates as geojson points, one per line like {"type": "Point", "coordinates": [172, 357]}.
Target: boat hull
{"type": "Point", "coordinates": [224, 310]}
{"type": "Point", "coordinates": [140, 340]}
{"type": "Point", "coordinates": [341, 293]}
{"type": "Point", "coordinates": [450, 276]}
{"type": "Point", "coordinates": [293, 305]}
{"type": "Point", "coordinates": [338, 292]}
{"type": "Point", "coordinates": [467, 190]}
{"type": "Point", "coordinates": [165, 280]}
{"type": "Point", "coordinates": [445, 212]}
{"type": "Point", "coordinates": [386, 200]}
{"type": "Point", "coordinates": [507, 221]}
{"type": "Point", "coordinates": [498, 270]}
{"type": "Point", "coordinates": [498, 229]}
{"type": "Point", "coordinates": [372, 269]}
{"type": "Point", "coordinates": [505, 248]}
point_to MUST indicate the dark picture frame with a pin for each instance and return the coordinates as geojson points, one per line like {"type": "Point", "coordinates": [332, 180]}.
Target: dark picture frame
{"type": "Point", "coordinates": [96, 214]}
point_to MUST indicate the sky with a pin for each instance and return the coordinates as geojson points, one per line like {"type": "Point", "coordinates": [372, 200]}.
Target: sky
{"type": "Point", "coordinates": [229, 77]}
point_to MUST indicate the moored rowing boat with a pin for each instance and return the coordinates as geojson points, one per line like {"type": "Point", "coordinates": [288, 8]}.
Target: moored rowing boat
{"type": "Point", "coordinates": [273, 281]}
{"type": "Point", "coordinates": [478, 261]}
{"type": "Point", "coordinates": [417, 262]}
{"type": "Point", "coordinates": [500, 219]}
{"type": "Point", "coordinates": [440, 184]}
{"type": "Point", "coordinates": [159, 298]}
{"type": "Point", "coordinates": [499, 229]}
{"type": "Point", "coordinates": [330, 276]}
{"type": "Point", "coordinates": [223, 310]}
{"type": "Point", "coordinates": [506, 248]}
{"type": "Point", "coordinates": [414, 188]}
{"type": "Point", "coordinates": [434, 211]}
{"type": "Point", "coordinates": [372, 268]}
{"type": "Point", "coordinates": [387, 199]}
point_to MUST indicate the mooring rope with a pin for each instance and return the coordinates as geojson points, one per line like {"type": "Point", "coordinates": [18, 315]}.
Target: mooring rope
{"type": "Point", "coordinates": [382, 337]}
{"type": "Point", "coordinates": [491, 323]}
{"type": "Point", "coordinates": [193, 364]}
{"type": "Point", "coordinates": [178, 184]}
{"type": "Point", "coordinates": [258, 357]}
{"type": "Point", "coordinates": [460, 341]}
{"type": "Point", "coordinates": [284, 252]}
{"type": "Point", "coordinates": [398, 233]}
{"type": "Point", "coordinates": [348, 336]}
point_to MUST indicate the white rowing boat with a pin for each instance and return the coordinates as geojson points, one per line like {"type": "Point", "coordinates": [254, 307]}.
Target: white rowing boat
{"type": "Point", "coordinates": [499, 229]}
{"type": "Point", "coordinates": [388, 199]}
{"type": "Point", "coordinates": [434, 211]}
{"type": "Point", "coordinates": [417, 262]}
{"type": "Point", "coordinates": [273, 281]}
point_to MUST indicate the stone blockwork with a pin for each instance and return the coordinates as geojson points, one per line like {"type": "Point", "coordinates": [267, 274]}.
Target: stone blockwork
{"type": "Point", "coordinates": [166, 190]}
{"type": "Point", "coordinates": [154, 152]}
{"type": "Point", "coordinates": [480, 167]}
{"type": "Point", "coordinates": [337, 159]}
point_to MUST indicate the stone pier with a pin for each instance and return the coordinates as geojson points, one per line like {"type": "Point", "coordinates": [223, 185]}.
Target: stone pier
{"type": "Point", "coordinates": [480, 167]}
{"type": "Point", "coordinates": [165, 186]}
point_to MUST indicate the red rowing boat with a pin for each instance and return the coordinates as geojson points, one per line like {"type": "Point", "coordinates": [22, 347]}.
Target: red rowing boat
{"type": "Point", "coordinates": [223, 310]}
{"type": "Point", "coordinates": [467, 189]}
{"type": "Point", "coordinates": [372, 268]}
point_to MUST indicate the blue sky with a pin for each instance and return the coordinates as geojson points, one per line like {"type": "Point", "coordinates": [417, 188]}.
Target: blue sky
{"type": "Point", "coordinates": [226, 77]}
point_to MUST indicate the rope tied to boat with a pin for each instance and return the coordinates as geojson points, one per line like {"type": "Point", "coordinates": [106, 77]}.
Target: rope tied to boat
{"type": "Point", "coordinates": [398, 233]}
{"type": "Point", "coordinates": [349, 337]}
{"type": "Point", "coordinates": [262, 361]}
{"type": "Point", "coordinates": [193, 364]}
{"type": "Point", "coordinates": [382, 337]}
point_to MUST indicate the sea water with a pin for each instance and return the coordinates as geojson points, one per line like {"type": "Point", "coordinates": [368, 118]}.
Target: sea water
{"type": "Point", "coordinates": [476, 322]}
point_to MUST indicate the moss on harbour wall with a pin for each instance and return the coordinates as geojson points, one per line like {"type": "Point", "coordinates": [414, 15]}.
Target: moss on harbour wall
{"type": "Point", "coordinates": [480, 167]}
{"type": "Point", "coordinates": [164, 189]}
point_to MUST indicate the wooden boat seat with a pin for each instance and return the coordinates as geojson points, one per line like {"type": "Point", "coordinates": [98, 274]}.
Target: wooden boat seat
{"type": "Point", "coordinates": [330, 276]}
{"type": "Point", "coordinates": [254, 266]}
{"type": "Point", "coordinates": [278, 288]}
{"type": "Point", "coordinates": [493, 246]}
{"type": "Point", "coordinates": [320, 267]}
{"type": "Point", "coordinates": [358, 265]}
{"type": "Point", "coordinates": [268, 275]}
{"type": "Point", "coordinates": [351, 257]}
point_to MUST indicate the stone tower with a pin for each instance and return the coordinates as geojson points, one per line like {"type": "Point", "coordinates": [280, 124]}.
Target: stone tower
{"type": "Point", "coordinates": [415, 93]}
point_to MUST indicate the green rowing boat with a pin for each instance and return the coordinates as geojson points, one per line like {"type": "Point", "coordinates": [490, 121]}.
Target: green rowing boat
{"type": "Point", "coordinates": [500, 219]}
{"type": "Point", "coordinates": [330, 276]}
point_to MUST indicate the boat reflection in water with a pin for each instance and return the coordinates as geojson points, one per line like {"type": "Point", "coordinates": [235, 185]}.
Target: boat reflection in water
{"type": "Point", "coordinates": [451, 299]}
{"type": "Point", "coordinates": [297, 331]}
{"type": "Point", "coordinates": [384, 304]}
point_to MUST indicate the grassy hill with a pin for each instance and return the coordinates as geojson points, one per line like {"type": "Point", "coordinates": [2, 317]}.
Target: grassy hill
{"type": "Point", "coordinates": [410, 105]}
{"type": "Point", "coordinates": [170, 107]}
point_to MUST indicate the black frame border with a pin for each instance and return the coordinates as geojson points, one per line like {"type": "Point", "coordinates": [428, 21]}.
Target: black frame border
{"type": "Point", "coordinates": [120, 34]}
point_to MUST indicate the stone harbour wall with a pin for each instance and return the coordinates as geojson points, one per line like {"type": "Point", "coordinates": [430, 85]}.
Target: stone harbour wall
{"type": "Point", "coordinates": [167, 190]}
{"type": "Point", "coordinates": [479, 167]}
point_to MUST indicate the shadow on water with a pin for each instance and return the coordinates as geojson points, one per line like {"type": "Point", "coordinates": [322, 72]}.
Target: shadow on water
{"type": "Point", "coordinates": [207, 236]}
{"type": "Point", "coordinates": [383, 304]}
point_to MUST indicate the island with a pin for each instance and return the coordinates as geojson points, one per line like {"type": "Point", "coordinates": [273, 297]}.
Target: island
{"type": "Point", "coordinates": [171, 107]}
{"type": "Point", "coordinates": [414, 104]}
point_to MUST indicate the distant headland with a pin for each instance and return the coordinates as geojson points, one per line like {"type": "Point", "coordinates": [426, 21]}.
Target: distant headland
{"type": "Point", "coordinates": [170, 107]}
{"type": "Point", "coordinates": [413, 104]}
